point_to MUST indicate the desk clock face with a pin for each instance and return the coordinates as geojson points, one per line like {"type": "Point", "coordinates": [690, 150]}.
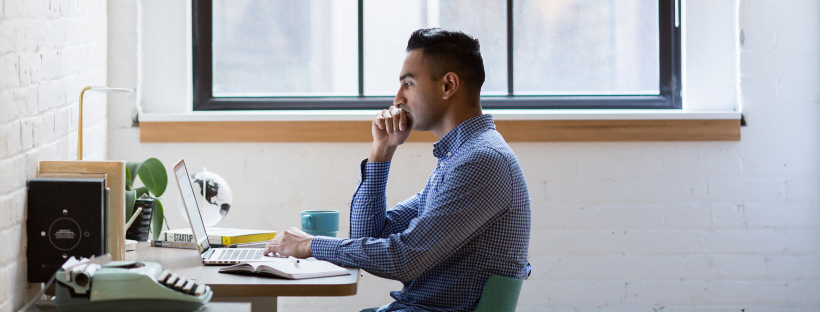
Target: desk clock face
{"type": "Point", "coordinates": [65, 234]}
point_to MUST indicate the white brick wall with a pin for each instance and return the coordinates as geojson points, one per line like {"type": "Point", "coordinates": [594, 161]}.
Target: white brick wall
{"type": "Point", "coordinates": [657, 226]}
{"type": "Point", "coordinates": [49, 50]}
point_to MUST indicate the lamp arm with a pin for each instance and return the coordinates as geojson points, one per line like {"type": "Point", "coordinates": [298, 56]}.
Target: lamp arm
{"type": "Point", "coordinates": [80, 128]}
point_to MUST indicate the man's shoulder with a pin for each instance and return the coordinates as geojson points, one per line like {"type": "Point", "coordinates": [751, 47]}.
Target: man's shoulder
{"type": "Point", "coordinates": [488, 143]}
{"type": "Point", "coordinates": [486, 149]}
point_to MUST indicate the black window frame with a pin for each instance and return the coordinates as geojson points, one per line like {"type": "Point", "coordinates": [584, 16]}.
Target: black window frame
{"type": "Point", "coordinates": [670, 76]}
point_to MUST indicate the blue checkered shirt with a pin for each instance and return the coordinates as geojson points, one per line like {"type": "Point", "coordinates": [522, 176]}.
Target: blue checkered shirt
{"type": "Point", "coordinates": [471, 221]}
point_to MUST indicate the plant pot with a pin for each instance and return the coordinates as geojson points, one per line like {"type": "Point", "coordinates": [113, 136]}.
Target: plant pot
{"type": "Point", "coordinates": [139, 230]}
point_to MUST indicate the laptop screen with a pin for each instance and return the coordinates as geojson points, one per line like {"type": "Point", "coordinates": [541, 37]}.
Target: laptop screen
{"type": "Point", "coordinates": [188, 199]}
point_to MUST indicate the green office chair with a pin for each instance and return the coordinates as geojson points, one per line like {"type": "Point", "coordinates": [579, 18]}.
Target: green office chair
{"type": "Point", "coordinates": [500, 294]}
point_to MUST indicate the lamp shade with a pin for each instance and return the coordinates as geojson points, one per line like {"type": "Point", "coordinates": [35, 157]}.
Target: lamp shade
{"type": "Point", "coordinates": [104, 89]}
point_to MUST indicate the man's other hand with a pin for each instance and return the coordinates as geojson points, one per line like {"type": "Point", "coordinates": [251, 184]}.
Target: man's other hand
{"type": "Point", "coordinates": [391, 127]}
{"type": "Point", "coordinates": [292, 243]}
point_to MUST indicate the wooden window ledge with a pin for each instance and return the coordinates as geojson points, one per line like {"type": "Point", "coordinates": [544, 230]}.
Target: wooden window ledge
{"type": "Point", "coordinates": [514, 125]}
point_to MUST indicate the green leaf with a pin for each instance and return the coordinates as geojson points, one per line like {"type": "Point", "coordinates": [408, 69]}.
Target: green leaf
{"type": "Point", "coordinates": [129, 183]}
{"type": "Point", "coordinates": [130, 200]}
{"type": "Point", "coordinates": [140, 191]}
{"type": "Point", "coordinates": [133, 167]}
{"type": "Point", "coordinates": [157, 215]}
{"type": "Point", "coordinates": [153, 175]}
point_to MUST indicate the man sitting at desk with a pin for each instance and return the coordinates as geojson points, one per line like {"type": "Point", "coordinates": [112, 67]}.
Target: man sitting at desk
{"type": "Point", "coordinates": [471, 220]}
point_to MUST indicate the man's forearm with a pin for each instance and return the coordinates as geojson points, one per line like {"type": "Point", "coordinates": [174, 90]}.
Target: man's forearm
{"type": "Point", "coordinates": [381, 153]}
{"type": "Point", "coordinates": [371, 254]}
{"type": "Point", "coordinates": [369, 204]}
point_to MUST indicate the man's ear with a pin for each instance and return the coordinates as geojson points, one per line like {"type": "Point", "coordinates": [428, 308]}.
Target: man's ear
{"type": "Point", "coordinates": [450, 86]}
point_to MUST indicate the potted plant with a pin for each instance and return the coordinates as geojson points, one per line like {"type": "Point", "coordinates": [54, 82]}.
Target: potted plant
{"type": "Point", "coordinates": [154, 178]}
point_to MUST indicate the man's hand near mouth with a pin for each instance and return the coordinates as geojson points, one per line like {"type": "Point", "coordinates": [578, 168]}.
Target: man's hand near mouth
{"type": "Point", "coordinates": [391, 127]}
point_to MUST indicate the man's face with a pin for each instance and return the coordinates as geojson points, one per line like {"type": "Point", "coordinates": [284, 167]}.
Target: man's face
{"type": "Point", "coordinates": [418, 95]}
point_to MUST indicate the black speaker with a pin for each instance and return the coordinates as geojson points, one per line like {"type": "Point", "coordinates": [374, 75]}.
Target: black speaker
{"type": "Point", "coordinates": [66, 217]}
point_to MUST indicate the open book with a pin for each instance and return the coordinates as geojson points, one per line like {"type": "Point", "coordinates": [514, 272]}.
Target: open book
{"type": "Point", "coordinates": [288, 269]}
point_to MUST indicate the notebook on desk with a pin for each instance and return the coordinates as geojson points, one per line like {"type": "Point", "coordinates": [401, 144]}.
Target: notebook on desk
{"type": "Point", "coordinates": [209, 255]}
{"type": "Point", "coordinates": [289, 269]}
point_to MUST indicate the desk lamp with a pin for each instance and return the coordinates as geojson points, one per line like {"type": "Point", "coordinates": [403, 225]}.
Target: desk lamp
{"type": "Point", "coordinates": [100, 89]}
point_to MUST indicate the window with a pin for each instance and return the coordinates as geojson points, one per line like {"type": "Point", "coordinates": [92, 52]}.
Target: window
{"type": "Point", "coordinates": [346, 54]}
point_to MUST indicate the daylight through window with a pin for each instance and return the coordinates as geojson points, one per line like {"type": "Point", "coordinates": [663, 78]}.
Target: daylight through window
{"type": "Point", "coordinates": [269, 54]}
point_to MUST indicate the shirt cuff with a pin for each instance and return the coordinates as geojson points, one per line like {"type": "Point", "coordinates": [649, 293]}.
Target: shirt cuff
{"type": "Point", "coordinates": [326, 248]}
{"type": "Point", "coordinates": [374, 178]}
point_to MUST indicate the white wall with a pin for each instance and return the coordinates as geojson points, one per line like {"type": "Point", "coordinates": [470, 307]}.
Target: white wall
{"type": "Point", "coordinates": [683, 226]}
{"type": "Point", "coordinates": [49, 51]}
{"type": "Point", "coordinates": [709, 59]}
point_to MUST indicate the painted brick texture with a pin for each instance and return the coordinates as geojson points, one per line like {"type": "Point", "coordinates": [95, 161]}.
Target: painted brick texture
{"type": "Point", "coordinates": [650, 226]}
{"type": "Point", "coordinates": [49, 50]}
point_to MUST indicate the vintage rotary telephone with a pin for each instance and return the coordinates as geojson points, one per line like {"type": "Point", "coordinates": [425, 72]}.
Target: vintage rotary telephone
{"type": "Point", "coordinates": [83, 285]}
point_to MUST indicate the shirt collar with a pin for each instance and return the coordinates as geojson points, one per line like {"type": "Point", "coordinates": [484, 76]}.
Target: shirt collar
{"type": "Point", "coordinates": [461, 133]}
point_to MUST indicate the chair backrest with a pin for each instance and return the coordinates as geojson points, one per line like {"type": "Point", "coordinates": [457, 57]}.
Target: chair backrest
{"type": "Point", "coordinates": [500, 294]}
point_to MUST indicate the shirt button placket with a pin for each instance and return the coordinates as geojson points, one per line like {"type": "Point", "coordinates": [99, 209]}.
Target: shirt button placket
{"type": "Point", "coordinates": [448, 157]}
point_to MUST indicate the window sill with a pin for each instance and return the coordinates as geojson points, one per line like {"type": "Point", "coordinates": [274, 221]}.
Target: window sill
{"type": "Point", "coordinates": [514, 125]}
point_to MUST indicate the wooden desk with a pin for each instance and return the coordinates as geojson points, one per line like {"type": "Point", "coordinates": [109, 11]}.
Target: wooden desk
{"type": "Point", "coordinates": [260, 291]}
{"type": "Point", "coordinates": [48, 306]}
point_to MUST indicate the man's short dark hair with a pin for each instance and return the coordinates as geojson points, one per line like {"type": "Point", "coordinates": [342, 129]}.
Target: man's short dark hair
{"type": "Point", "coordinates": [450, 51]}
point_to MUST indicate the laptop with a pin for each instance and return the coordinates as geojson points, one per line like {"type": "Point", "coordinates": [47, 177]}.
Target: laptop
{"type": "Point", "coordinates": [210, 255]}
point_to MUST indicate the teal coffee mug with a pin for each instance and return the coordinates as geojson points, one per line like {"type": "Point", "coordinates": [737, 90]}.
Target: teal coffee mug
{"type": "Point", "coordinates": [320, 222]}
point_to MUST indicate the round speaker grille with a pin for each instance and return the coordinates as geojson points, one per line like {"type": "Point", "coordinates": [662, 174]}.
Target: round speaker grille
{"type": "Point", "coordinates": [64, 234]}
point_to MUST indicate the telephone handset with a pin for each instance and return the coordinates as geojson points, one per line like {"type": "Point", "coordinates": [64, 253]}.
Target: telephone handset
{"type": "Point", "coordinates": [128, 286]}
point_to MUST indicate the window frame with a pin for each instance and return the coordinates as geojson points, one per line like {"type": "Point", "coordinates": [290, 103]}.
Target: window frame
{"type": "Point", "coordinates": [669, 75]}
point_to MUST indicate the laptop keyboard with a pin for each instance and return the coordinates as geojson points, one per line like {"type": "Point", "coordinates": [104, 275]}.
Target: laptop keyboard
{"type": "Point", "coordinates": [241, 254]}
